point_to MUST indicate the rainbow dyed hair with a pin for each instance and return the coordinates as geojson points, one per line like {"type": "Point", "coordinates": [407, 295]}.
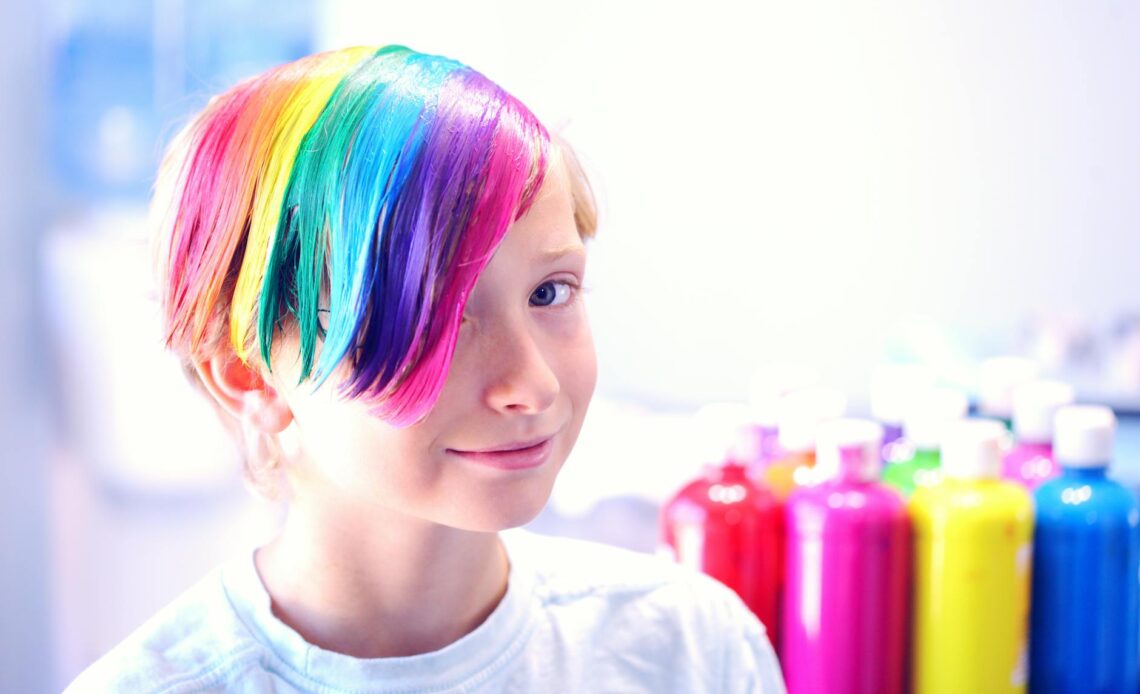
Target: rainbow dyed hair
{"type": "Point", "coordinates": [354, 196]}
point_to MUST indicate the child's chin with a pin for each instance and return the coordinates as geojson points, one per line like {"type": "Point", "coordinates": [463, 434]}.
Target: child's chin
{"type": "Point", "coordinates": [504, 516]}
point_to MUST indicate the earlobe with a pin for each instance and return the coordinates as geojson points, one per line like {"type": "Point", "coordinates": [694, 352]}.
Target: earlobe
{"type": "Point", "coordinates": [243, 392]}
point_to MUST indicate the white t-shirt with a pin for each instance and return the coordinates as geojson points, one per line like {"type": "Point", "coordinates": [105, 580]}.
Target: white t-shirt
{"type": "Point", "coordinates": [576, 617]}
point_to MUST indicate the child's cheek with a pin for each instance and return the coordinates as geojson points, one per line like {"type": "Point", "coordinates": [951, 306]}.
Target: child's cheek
{"type": "Point", "coordinates": [578, 368]}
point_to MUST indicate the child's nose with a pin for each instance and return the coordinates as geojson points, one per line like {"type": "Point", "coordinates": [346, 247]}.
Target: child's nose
{"type": "Point", "coordinates": [520, 377]}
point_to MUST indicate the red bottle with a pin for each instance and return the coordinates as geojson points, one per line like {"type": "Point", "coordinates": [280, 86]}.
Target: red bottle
{"type": "Point", "coordinates": [731, 527]}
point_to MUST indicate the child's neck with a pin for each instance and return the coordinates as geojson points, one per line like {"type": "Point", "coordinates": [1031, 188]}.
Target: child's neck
{"type": "Point", "coordinates": [380, 586]}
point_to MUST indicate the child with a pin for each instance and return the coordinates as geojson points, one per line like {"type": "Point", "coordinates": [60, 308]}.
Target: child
{"type": "Point", "coordinates": [371, 261]}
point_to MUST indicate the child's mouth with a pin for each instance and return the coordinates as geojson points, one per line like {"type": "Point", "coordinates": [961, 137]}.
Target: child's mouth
{"type": "Point", "coordinates": [517, 459]}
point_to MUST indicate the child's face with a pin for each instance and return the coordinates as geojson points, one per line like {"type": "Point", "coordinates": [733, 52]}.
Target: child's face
{"type": "Point", "coordinates": [524, 368]}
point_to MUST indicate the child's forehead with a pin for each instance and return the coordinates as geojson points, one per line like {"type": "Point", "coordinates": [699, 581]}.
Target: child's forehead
{"type": "Point", "coordinates": [556, 181]}
{"type": "Point", "coordinates": [541, 242]}
{"type": "Point", "coordinates": [547, 229]}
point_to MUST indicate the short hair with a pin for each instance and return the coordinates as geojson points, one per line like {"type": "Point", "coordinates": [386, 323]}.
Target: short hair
{"type": "Point", "coordinates": [353, 196]}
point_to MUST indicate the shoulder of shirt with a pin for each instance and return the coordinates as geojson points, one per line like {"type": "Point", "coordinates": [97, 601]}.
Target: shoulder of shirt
{"type": "Point", "coordinates": [568, 570]}
{"type": "Point", "coordinates": [193, 644]}
{"type": "Point", "coordinates": [599, 592]}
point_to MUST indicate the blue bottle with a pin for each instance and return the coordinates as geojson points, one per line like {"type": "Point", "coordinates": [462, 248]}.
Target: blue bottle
{"type": "Point", "coordinates": [1085, 621]}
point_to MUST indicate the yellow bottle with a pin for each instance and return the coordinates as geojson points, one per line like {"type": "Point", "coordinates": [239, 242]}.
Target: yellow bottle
{"type": "Point", "coordinates": [972, 560]}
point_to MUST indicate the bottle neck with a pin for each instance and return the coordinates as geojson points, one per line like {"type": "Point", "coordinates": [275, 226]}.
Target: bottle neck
{"type": "Point", "coordinates": [930, 456]}
{"type": "Point", "coordinates": [972, 479]}
{"type": "Point", "coordinates": [851, 479]}
{"type": "Point", "coordinates": [728, 471]}
{"type": "Point", "coordinates": [849, 465]}
{"type": "Point", "coordinates": [1089, 473]}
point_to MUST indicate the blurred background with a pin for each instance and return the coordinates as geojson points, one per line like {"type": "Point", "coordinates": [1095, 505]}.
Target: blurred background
{"type": "Point", "coordinates": [832, 185]}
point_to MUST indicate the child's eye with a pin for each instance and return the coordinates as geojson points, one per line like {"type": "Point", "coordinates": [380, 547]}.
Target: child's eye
{"type": "Point", "coordinates": [552, 293]}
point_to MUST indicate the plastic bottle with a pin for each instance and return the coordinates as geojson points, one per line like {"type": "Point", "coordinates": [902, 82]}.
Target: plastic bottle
{"type": "Point", "coordinates": [1086, 574]}
{"type": "Point", "coordinates": [727, 525]}
{"type": "Point", "coordinates": [801, 413]}
{"type": "Point", "coordinates": [972, 561]}
{"type": "Point", "coordinates": [1034, 405]}
{"type": "Point", "coordinates": [846, 589]}
{"type": "Point", "coordinates": [930, 413]}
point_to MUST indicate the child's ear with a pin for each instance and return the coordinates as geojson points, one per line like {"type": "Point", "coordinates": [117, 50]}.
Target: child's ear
{"type": "Point", "coordinates": [242, 391]}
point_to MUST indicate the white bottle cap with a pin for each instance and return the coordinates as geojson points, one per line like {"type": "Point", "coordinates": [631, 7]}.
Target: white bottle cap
{"type": "Point", "coordinates": [973, 449]}
{"type": "Point", "coordinates": [997, 380]}
{"type": "Point", "coordinates": [770, 383]}
{"type": "Point", "coordinates": [894, 387]}
{"type": "Point", "coordinates": [720, 433]}
{"type": "Point", "coordinates": [801, 413]}
{"type": "Point", "coordinates": [930, 412]}
{"type": "Point", "coordinates": [1035, 403]}
{"type": "Point", "coordinates": [1083, 436]}
{"type": "Point", "coordinates": [849, 448]}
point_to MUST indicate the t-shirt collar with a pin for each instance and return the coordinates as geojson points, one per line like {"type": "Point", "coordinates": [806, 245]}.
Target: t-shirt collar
{"type": "Point", "coordinates": [490, 646]}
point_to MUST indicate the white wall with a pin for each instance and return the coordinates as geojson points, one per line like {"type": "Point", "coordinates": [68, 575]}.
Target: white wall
{"type": "Point", "coordinates": [789, 180]}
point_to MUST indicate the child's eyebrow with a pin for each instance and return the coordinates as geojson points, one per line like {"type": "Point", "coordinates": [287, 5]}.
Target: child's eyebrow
{"type": "Point", "coordinates": [549, 256]}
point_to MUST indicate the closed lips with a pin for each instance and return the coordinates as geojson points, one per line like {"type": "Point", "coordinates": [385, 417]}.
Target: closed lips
{"type": "Point", "coordinates": [506, 448]}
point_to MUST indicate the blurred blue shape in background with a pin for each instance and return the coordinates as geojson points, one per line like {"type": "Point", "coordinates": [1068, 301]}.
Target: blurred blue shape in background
{"type": "Point", "coordinates": [125, 75]}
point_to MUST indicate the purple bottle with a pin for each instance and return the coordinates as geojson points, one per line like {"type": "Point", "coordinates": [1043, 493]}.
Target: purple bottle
{"type": "Point", "coordinates": [847, 571]}
{"type": "Point", "coordinates": [1035, 404]}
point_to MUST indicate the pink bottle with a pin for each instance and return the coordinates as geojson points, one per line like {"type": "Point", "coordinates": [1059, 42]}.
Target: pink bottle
{"type": "Point", "coordinates": [1035, 404]}
{"type": "Point", "coordinates": [847, 571]}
